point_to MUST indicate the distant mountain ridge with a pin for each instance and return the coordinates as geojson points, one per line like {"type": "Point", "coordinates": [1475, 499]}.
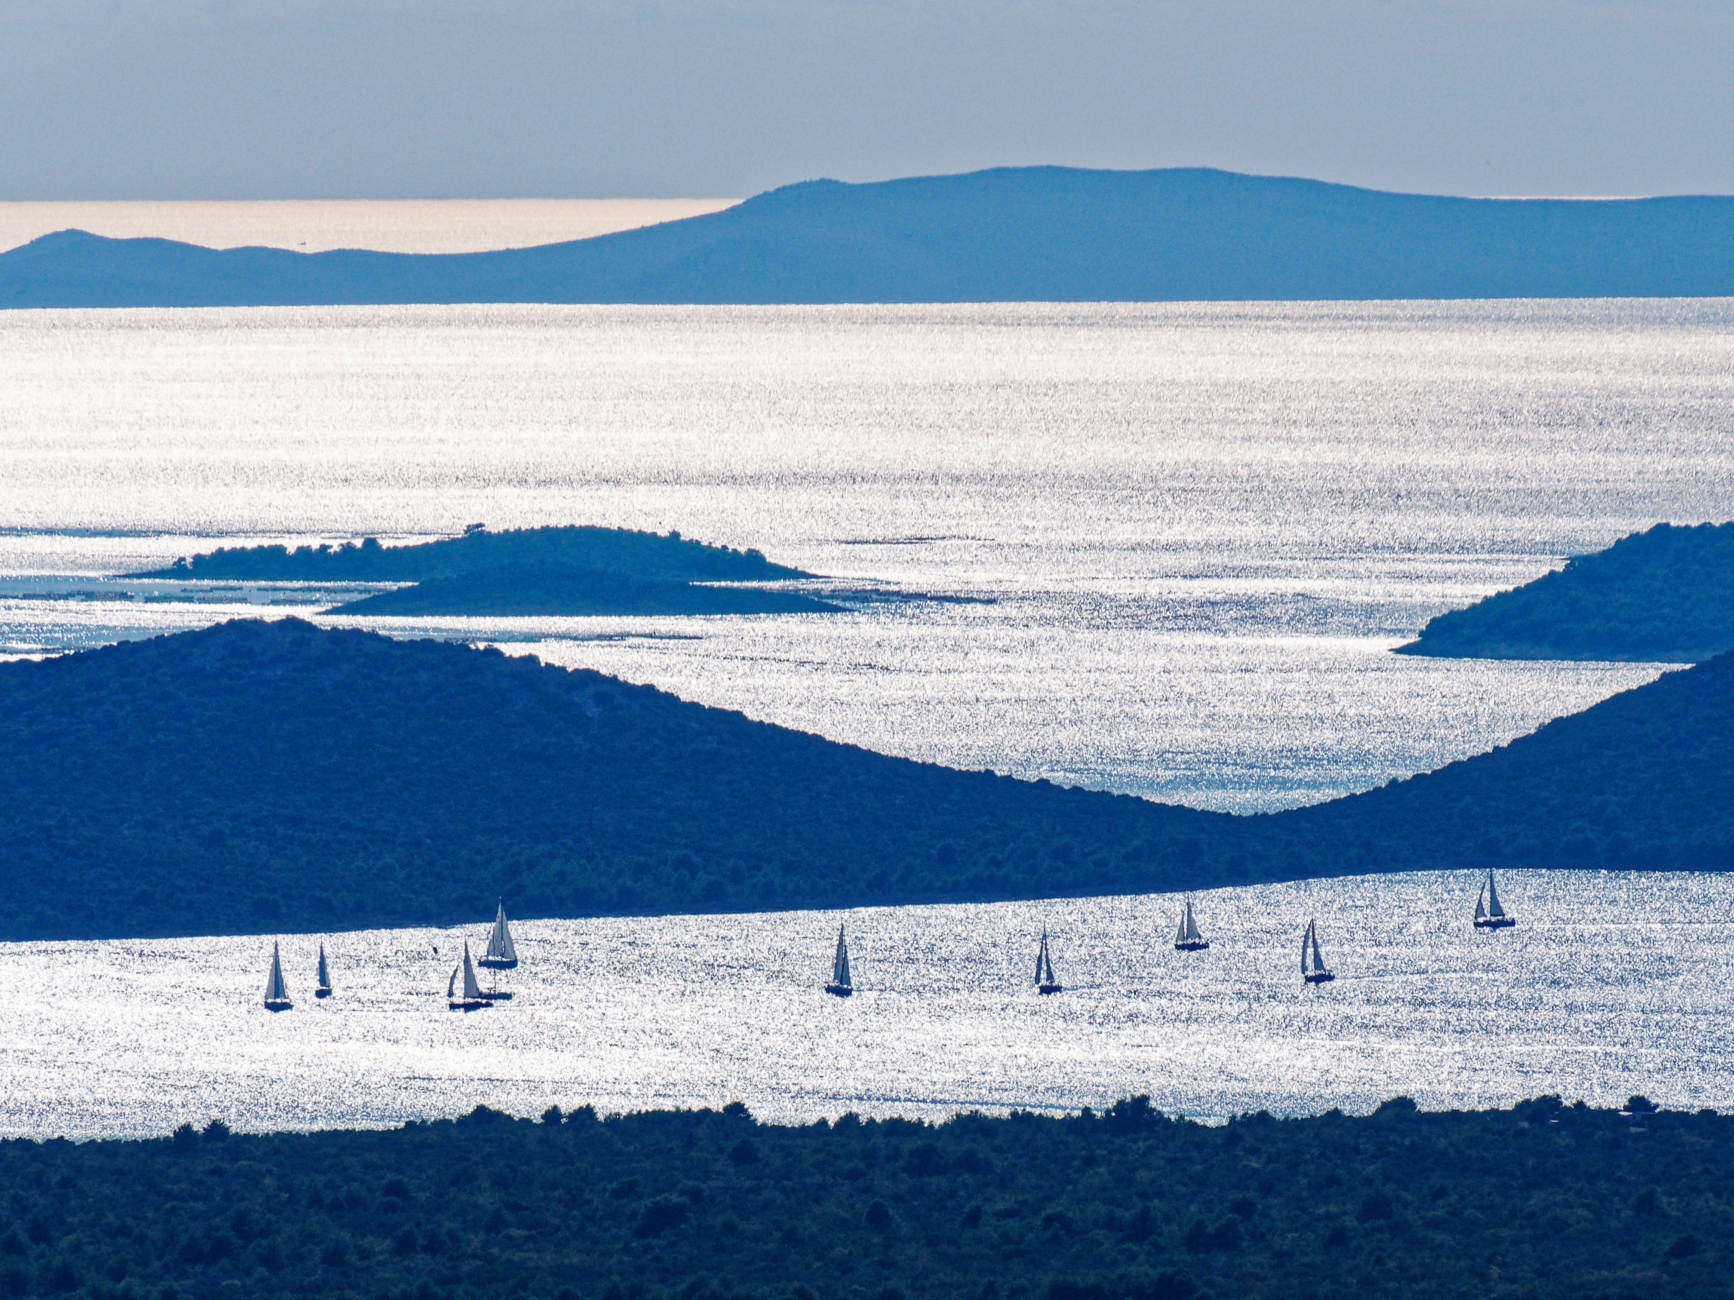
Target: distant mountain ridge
{"type": "Point", "coordinates": [1008, 234]}
{"type": "Point", "coordinates": [275, 776]}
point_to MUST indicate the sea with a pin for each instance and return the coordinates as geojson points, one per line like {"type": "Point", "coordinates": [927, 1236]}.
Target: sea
{"type": "Point", "coordinates": [1609, 986]}
{"type": "Point", "coordinates": [1162, 549]}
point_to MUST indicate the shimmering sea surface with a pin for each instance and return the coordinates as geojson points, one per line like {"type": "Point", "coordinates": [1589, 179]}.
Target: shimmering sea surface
{"type": "Point", "coordinates": [1610, 985]}
{"type": "Point", "coordinates": [1191, 534]}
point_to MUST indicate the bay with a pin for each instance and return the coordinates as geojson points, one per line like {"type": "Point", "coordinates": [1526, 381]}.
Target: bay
{"type": "Point", "coordinates": [1192, 532]}
{"type": "Point", "coordinates": [1611, 984]}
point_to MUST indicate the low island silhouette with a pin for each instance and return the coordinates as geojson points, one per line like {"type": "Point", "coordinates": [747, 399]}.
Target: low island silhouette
{"type": "Point", "coordinates": [1659, 596]}
{"type": "Point", "coordinates": [268, 776]}
{"type": "Point", "coordinates": [1012, 234]}
{"type": "Point", "coordinates": [577, 570]}
{"type": "Point", "coordinates": [1544, 1199]}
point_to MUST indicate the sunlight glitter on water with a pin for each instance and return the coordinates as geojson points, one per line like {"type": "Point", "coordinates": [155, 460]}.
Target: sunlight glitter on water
{"type": "Point", "coordinates": [1203, 525]}
{"type": "Point", "coordinates": [1610, 985]}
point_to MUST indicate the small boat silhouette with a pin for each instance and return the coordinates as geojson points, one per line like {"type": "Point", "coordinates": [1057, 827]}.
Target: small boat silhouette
{"type": "Point", "coordinates": [472, 998]}
{"type": "Point", "coordinates": [276, 991]}
{"type": "Point", "coordinates": [1492, 916]}
{"type": "Point", "coordinates": [1187, 938]}
{"type": "Point", "coordinates": [841, 985]}
{"type": "Point", "coordinates": [1045, 981]}
{"type": "Point", "coordinates": [1317, 972]}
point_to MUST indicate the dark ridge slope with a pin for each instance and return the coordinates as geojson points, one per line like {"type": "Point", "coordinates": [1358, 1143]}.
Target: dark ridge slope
{"type": "Point", "coordinates": [1662, 595]}
{"type": "Point", "coordinates": [1539, 1201]}
{"type": "Point", "coordinates": [260, 776]}
{"type": "Point", "coordinates": [1010, 234]}
{"type": "Point", "coordinates": [1642, 779]}
{"type": "Point", "coordinates": [272, 775]}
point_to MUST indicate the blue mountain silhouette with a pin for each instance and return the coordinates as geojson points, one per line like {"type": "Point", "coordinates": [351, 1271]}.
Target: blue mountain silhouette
{"type": "Point", "coordinates": [1009, 234]}
{"type": "Point", "coordinates": [261, 776]}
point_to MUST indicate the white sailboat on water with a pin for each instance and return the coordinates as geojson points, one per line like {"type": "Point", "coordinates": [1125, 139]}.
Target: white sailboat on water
{"type": "Point", "coordinates": [1188, 938]}
{"type": "Point", "coordinates": [1313, 968]}
{"type": "Point", "coordinates": [501, 954]}
{"type": "Point", "coordinates": [472, 998]}
{"type": "Point", "coordinates": [1045, 981]}
{"type": "Point", "coordinates": [1489, 915]}
{"type": "Point", "coordinates": [323, 988]}
{"type": "Point", "coordinates": [276, 991]}
{"type": "Point", "coordinates": [841, 985]}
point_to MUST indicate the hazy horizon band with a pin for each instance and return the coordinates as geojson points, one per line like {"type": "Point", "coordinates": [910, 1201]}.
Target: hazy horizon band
{"type": "Point", "coordinates": [318, 225]}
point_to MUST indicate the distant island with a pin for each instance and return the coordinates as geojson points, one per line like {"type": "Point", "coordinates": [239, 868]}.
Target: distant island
{"type": "Point", "coordinates": [1544, 1199]}
{"type": "Point", "coordinates": [1016, 234]}
{"type": "Point", "coordinates": [532, 571]}
{"type": "Point", "coordinates": [666, 557]}
{"type": "Point", "coordinates": [259, 776]}
{"type": "Point", "coordinates": [1665, 595]}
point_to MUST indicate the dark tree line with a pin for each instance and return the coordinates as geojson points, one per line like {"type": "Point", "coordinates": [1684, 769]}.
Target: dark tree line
{"type": "Point", "coordinates": [1543, 1200]}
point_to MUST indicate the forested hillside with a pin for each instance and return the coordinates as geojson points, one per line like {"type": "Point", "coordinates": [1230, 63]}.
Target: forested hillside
{"type": "Point", "coordinates": [1543, 1200]}
{"type": "Point", "coordinates": [262, 776]}
{"type": "Point", "coordinates": [1665, 594]}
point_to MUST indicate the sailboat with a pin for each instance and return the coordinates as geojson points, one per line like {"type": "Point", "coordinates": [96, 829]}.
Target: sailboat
{"type": "Point", "coordinates": [841, 985]}
{"type": "Point", "coordinates": [323, 988]}
{"type": "Point", "coordinates": [472, 998]}
{"type": "Point", "coordinates": [501, 954]}
{"type": "Point", "coordinates": [1188, 937]}
{"type": "Point", "coordinates": [276, 991]}
{"type": "Point", "coordinates": [1045, 981]}
{"type": "Point", "coordinates": [1491, 916]}
{"type": "Point", "coordinates": [1316, 973]}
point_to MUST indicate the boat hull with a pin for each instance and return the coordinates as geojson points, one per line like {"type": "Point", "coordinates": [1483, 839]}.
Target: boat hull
{"type": "Point", "coordinates": [1192, 945]}
{"type": "Point", "coordinates": [1495, 923]}
{"type": "Point", "coordinates": [1045, 989]}
{"type": "Point", "coordinates": [467, 1004]}
{"type": "Point", "coordinates": [496, 963]}
{"type": "Point", "coordinates": [1319, 977]}
{"type": "Point", "coordinates": [321, 993]}
{"type": "Point", "coordinates": [839, 990]}
{"type": "Point", "coordinates": [279, 1004]}
{"type": "Point", "coordinates": [499, 995]}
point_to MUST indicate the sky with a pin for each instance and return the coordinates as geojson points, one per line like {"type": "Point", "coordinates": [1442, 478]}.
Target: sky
{"type": "Point", "coordinates": [330, 99]}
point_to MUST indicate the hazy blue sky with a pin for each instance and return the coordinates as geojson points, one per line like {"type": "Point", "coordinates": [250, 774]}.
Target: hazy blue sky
{"type": "Point", "coordinates": [466, 98]}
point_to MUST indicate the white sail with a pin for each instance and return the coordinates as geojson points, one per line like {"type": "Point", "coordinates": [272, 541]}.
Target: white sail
{"type": "Point", "coordinates": [452, 983]}
{"type": "Point", "coordinates": [1044, 963]}
{"type": "Point", "coordinates": [840, 963]}
{"type": "Point", "coordinates": [1189, 928]}
{"type": "Point", "coordinates": [1493, 907]}
{"type": "Point", "coordinates": [275, 989]}
{"type": "Point", "coordinates": [1180, 934]}
{"type": "Point", "coordinates": [472, 990]}
{"type": "Point", "coordinates": [324, 970]}
{"type": "Point", "coordinates": [1480, 911]}
{"type": "Point", "coordinates": [1318, 957]}
{"type": "Point", "coordinates": [1306, 937]}
{"type": "Point", "coordinates": [501, 951]}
